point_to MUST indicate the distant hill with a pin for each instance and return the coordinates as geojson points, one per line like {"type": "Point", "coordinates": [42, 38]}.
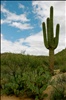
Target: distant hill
{"type": "Point", "coordinates": [60, 59]}
{"type": "Point", "coordinates": [63, 52]}
{"type": "Point", "coordinates": [23, 60]}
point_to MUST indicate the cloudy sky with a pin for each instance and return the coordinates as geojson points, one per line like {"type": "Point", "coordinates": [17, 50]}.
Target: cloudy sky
{"type": "Point", "coordinates": [21, 25]}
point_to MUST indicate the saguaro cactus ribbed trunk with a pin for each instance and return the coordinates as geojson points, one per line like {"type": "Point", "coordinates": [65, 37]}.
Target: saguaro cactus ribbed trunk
{"type": "Point", "coordinates": [50, 41]}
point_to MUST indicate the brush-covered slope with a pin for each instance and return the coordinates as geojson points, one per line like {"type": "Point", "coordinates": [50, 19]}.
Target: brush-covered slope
{"type": "Point", "coordinates": [22, 74]}
{"type": "Point", "coordinates": [10, 59]}
{"type": "Point", "coordinates": [60, 60]}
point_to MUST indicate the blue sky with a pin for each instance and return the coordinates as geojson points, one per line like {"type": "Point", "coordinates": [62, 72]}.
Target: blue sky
{"type": "Point", "coordinates": [20, 8]}
{"type": "Point", "coordinates": [21, 25]}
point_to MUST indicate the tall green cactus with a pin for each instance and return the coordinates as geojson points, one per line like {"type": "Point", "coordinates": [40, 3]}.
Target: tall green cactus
{"type": "Point", "coordinates": [50, 41]}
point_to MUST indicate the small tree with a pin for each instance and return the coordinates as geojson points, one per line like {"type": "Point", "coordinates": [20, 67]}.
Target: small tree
{"type": "Point", "coordinates": [50, 41]}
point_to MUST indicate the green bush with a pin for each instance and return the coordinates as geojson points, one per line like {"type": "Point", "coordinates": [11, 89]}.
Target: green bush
{"type": "Point", "coordinates": [59, 88]}
{"type": "Point", "coordinates": [24, 74]}
{"type": "Point", "coordinates": [63, 68]}
{"type": "Point", "coordinates": [14, 85]}
{"type": "Point", "coordinates": [28, 81]}
{"type": "Point", "coordinates": [58, 94]}
{"type": "Point", "coordinates": [36, 82]}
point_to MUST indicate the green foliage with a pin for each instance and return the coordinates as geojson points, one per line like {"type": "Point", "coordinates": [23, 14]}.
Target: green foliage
{"type": "Point", "coordinates": [58, 95]}
{"type": "Point", "coordinates": [63, 68]}
{"type": "Point", "coordinates": [36, 82]}
{"type": "Point", "coordinates": [59, 88]}
{"type": "Point", "coordinates": [21, 74]}
{"type": "Point", "coordinates": [31, 82]}
{"type": "Point", "coordinates": [24, 74]}
{"type": "Point", "coordinates": [60, 61]}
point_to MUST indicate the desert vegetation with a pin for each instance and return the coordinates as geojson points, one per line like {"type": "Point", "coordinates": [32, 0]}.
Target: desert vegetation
{"type": "Point", "coordinates": [31, 75]}
{"type": "Point", "coordinates": [24, 74]}
{"type": "Point", "coordinates": [28, 75]}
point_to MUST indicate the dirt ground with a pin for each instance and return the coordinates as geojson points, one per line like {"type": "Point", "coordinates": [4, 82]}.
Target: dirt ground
{"type": "Point", "coordinates": [13, 98]}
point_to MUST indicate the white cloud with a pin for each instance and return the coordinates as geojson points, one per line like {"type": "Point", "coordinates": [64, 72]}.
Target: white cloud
{"type": "Point", "coordinates": [12, 16]}
{"type": "Point", "coordinates": [65, 24]}
{"type": "Point", "coordinates": [21, 6]}
{"type": "Point", "coordinates": [42, 11]}
{"type": "Point", "coordinates": [14, 19]}
{"type": "Point", "coordinates": [15, 47]}
{"type": "Point", "coordinates": [21, 26]}
{"type": "Point", "coordinates": [5, 21]}
{"type": "Point", "coordinates": [36, 45]}
{"type": "Point", "coordinates": [35, 42]}
{"type": "Point", "coordinates": [41, 8]}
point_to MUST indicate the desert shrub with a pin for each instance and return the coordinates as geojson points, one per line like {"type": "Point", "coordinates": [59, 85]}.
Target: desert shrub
{"type": "Point", "coordinates": [36, 82]}
{"type": "Point", "coordinates": [22, 74]}
{"type": "Point", "coordinates": [63, 68]}
{"type": "Point", "coordinates": [58, 94]}
{"type": "Point", "coordinates": [13, 84]}
{"type": "Point", "coordinates": [59, 88]}
{"type": "Point", "coordinates": [29, 81]}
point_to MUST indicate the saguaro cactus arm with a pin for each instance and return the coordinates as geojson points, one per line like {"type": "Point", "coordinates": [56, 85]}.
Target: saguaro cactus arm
{"type": "Point", "coordinates": [45, 36]}
{"type": "Point", "coordinates": [48, 30]}
{"type": "Point", "coordinates": [57, 36]}
{"type": "Point", "coordinates": [50, 41]}
{"type": "Point", "coordinates": [51, 22]}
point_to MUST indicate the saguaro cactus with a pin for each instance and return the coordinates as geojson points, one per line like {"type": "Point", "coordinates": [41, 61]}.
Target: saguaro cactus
{"type": "Point", "coordinates": [50, 41]}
